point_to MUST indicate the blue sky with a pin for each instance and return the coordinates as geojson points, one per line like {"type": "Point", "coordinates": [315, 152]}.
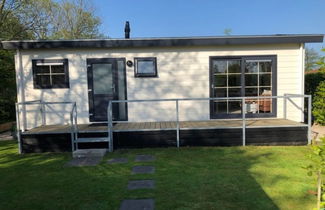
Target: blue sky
{"type": "Point", "coordinates": [170, 18]}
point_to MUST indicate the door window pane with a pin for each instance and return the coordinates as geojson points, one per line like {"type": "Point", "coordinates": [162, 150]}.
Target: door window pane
{"type": "Point", "coordinates": [221, 107]}
{"type": "Point", "coordinates": [250, 80]}
{"type": "Point", "coordinates": [265, 66]}
{"type": "Point", "coordinates": [234, 80]}
{"type": "Point", "coordinates": [265, 79]}
{"type": "Point", "coordinates": [102, 78]}
{"type": "Point", "coordinates": [234, 107]}
{"type": "Point", "coordinates": [234, 92]}
{"type": "Point", "coordinates": [265, 104]}
{"type": "Point", "coordinates": [234, 66]}
{"type": "Point", "coordinates": [251, 91]}
{"type": "Point", "coordinates": [220, 92]}
{"type": "Point", "coordinates": [220, 81]}
{"type": "Point", "coordinates": [219, 66]}
{"type": "Point", "coordinates": [121, 89]}
{"type": "Point", "coordinates": [251, 67]}
{"type": "Point", "coordinates": [265, 91]}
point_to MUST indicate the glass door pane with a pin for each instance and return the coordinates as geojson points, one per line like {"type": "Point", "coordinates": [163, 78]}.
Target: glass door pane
{"type": "Point", "coordinates": [226, 83]}
{"type": "Point", "coordinates": [103, 79]}
{"type": "Point", "coordinates": [122, 107]}
{"type": "Point", "coordinates": [258, 82]}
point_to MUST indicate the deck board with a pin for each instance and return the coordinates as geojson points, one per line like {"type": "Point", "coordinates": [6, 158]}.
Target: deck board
{"type": "Point", "coordinates": [134, 126]}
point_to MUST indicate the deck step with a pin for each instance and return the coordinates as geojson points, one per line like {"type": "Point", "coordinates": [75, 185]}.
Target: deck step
{"type": "Point", "coordinates": [86, 153]}
{"type": "Point", "coordinates": [92, 139]}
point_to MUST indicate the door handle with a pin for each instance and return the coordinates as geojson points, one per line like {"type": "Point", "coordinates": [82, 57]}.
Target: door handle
{"type": "Point", "coordinates": [113, 88]}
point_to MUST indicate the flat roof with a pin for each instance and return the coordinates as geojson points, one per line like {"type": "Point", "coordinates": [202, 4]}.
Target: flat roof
{"type": "Point", "coordinates": [163, 42]}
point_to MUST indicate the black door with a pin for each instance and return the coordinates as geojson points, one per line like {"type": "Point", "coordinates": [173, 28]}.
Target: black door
{"type": "Point", "coordinates": [106, 81]}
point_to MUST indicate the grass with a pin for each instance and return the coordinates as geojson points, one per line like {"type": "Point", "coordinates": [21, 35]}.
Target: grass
{"type": "Point", "coordinates": [189, 178]}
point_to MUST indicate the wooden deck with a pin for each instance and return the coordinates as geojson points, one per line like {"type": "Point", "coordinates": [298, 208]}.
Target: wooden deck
{"type": "Point", "coordinates": [160, 126]}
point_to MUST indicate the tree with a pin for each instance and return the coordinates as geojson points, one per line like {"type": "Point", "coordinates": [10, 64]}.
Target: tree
{"type": "Point", "coordinates": [321, 62]}
{"type": "Point", "coordinates": [317, 168]}
{"type": "Point", "coordinates": [50, 19]}
{"type": "Point", "coordinates": [39, 19]}
{"type": "Point", "coordinates": [7, 86]}
{"type": "Point", "coordinates": [227, 31]}
{"type": "Point", "coordinates": [74, 20]}
{"type": "Point", "coordinates": [11, 28]}
{"type": "Point", "coordinates": [311, 58]}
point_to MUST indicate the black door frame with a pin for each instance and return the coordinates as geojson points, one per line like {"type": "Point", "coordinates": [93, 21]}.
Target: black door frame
{"type": "Point", "coordinates": [91, 61]}
{"type": "Point", "coordinates": [273, 58]}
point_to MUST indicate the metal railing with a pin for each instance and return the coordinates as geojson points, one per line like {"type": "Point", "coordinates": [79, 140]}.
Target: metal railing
{"type": "Point", "coordinates": [110, 121]}
{"type": "Point", "coordinates": [73, 118]}
{"type": "Point", "coordinates": [285, 97]}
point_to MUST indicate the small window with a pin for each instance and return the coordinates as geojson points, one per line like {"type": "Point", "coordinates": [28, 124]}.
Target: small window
{"type": "Point", "coordinates": [145, 67]}
{"type": "Point", "coordinates": [50, 73]}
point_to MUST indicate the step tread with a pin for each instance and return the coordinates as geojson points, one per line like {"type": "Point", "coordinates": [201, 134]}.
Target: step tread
{"type": "Point", "coordinates": [92, 139]}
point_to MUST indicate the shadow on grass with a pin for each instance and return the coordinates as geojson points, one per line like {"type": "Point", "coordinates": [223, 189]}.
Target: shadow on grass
{"type": "Point", "coordinates": [210, 178]}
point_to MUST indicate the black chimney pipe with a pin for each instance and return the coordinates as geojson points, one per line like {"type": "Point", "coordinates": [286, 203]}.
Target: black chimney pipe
{"type": "Point", "coordinates": [127, 30]}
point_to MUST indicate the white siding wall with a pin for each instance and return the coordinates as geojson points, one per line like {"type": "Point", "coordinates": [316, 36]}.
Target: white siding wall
{"type": "Point", "coordinates": [183, 73]}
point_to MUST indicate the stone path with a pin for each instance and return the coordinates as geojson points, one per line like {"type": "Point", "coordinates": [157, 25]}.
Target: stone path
{"type": "Point", "coordinates": [143, 170]}
{"type": "Point", "coordinates": [86, 157]}
{"type": "Point", "coordinates": [139, 204]}
{"type": "Point", "coordinates": [141, 184]}
{"type": "Point", "coordinates": [84, 161]}
{"type": "Point", "coordinates": [144, 158]}
{"type": "Point", "coordinates": [118, 160]}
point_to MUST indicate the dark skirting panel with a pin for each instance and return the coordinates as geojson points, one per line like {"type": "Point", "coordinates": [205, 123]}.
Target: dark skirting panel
{"type": "Point", "coordinates": [46, 143]}
{"type": "Point", "coordinates": [208, 137]}
{"type": "Point", "coordinates": [277, 136]}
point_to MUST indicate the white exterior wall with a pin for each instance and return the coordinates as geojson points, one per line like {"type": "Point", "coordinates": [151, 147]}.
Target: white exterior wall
{"type": "Point", "coordinates": [183, 72]}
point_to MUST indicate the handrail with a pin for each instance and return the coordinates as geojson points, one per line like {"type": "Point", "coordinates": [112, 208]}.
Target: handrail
{"type": "Point", "coordinates": [242, 99]}
{"type": "Point", "coordinates": [110, 125]}
{"type": "Point", "coordinates": [203, 99]}
{"type": "Point", "coordinates": [74, 126]}
{"type": "Point", "coordinates": [29, 102]}
{"type": "Point", "coordinates": [73, 118]}
{"type": "Point", "coordinates": [40, 101]}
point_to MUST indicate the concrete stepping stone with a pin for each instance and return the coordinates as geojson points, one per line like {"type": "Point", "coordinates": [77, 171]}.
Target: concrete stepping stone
{"type": "Point", "coordinates": [144, 158]}
{"type": "Point", "coordinates": [138, 204]}
{"type": "Point", "coordinates": [118, 160]}
{"type": "Point", "coordinates": [80, 153]}
{"type": "Point", "coordinates": [141, 184]}
{"type": "Point", "coordinates": [143, 170]}
{"type": "Point", "coordinates": [84, 161]}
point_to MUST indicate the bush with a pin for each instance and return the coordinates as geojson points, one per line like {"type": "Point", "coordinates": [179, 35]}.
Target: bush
{"type": "Point", "coordinates": [319, 104]}
{"type": "Point", "coordinates": [312, 81]}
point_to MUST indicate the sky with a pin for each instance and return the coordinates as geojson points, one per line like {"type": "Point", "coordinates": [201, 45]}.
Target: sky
{"type": "Point", "coordinates": [175, 18]}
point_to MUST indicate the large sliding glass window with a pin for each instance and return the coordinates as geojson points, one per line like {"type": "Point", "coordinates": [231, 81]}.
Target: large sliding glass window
{"type": "Point", "coordinates": [242, 76]}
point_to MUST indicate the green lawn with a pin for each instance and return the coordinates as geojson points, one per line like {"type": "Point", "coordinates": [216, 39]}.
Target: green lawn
{"type": "Point", "coordinates": [189, 178]}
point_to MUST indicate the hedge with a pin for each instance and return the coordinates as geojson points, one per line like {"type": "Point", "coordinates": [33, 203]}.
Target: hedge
{"type": "Point", "coordinates": [312, 81]}
{"type": "Point", "coordinates": [319, 104]}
